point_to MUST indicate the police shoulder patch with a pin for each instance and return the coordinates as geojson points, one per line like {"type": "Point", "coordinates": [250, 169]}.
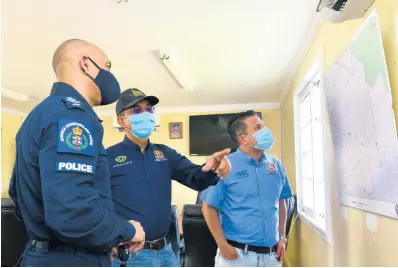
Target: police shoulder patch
{"type": "Point", "coordinates": [73, 166]}
{"type": "Point", "coordinates": [75, 137]}
{"type": "Point", "coordinates": [72, 103]}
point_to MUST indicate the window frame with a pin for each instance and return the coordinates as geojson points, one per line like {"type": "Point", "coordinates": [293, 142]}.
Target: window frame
{"type": "Point", "coordinates": [314, 74]}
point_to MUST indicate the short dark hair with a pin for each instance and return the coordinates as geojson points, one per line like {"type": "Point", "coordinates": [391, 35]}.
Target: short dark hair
{"type": "Point", "coordinates": [237, 126]}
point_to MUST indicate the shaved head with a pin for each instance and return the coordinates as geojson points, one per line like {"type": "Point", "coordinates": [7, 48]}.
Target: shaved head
{"type": "Point", "coordinates": [77, 63]}
{"type": "Point", "coordinates": [69, 50]}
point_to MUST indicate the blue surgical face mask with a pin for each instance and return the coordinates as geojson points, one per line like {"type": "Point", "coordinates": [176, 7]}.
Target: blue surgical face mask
{"type": "Point", "coordinates": [107, 84]}
{"type": "Point", "coordinates": [264, 139]}
{"type": "Point", "coordinates": [142, 125]}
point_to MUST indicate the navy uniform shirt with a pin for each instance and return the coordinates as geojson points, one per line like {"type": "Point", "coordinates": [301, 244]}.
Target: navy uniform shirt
{"type": "Point", "coordinates": [61, 182]}
{"type": "Point", "coordinates": [141, 183]}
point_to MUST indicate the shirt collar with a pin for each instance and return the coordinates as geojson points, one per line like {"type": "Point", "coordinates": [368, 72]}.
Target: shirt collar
{"type": "Point", "coordinates": [133, 145]}
{"type": "Point", "coordinates": [65, 90]}
{"type": "Point", "coordinates": [249, 159]}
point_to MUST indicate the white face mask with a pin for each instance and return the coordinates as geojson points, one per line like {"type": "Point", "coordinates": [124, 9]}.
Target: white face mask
{"type": "Point", "coordinates": [264, 139]}
{"type": "Point", "coordinates": [142, 125]}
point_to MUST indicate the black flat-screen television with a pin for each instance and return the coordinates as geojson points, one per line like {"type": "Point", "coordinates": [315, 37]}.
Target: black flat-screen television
{"type": "Point", "coordinates": [209, 133]}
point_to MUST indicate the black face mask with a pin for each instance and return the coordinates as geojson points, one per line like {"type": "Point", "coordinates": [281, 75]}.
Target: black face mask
{"type": "Point", "coordinates": [107, 84]}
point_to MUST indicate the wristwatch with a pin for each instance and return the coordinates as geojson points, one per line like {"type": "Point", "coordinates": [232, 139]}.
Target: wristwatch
{"type": "Point", "coordinates": [283, 238]}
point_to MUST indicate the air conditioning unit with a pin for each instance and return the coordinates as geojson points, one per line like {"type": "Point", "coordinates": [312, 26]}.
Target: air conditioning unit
{"type": "Point", "coordinates": [337, 11]}
{"type": "Point", "coordinates": [117, 127]}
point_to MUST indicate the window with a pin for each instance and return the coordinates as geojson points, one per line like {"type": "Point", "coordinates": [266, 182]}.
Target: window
{"type": "Point", "coordinates": [311, 153]}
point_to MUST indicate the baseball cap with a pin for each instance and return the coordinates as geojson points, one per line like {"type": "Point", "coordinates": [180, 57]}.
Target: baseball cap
{"type": "Point", "coordinates": [131, 96]}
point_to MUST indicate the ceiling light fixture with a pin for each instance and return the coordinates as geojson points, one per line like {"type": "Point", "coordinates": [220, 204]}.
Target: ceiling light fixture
{"type": "Point", "coordinates": [170, 61]}
{"type": "Point", "coordinates": [13, 95]}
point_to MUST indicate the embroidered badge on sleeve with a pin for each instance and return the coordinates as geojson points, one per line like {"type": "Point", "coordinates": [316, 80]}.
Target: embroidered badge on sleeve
{"type": "Point", "coordinates": [75, 137]}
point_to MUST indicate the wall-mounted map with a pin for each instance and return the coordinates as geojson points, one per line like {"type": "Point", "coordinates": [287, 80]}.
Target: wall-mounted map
{"type": "Point", "coordinates": [358, 96]}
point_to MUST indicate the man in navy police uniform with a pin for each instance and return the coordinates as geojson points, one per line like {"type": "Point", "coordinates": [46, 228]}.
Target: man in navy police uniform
{"type": "Point", "coordinates": [60, 181]}
{"type": "Point", "coordinates": [142, 173]}
{"type": "Point", "coordinates": [250, 227]}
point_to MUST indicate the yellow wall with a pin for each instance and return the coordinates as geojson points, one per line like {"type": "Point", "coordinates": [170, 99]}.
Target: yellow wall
{"type": "Point", "coordinates": [353, 244]}
{"type": "Point", "coordinates": [9, 127]}
{"type": "Point", "coordinates": [181, 194]}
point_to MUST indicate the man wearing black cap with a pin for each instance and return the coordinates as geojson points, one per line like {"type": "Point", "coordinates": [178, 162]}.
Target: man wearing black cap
{"type": "Point", "coordinates": [141, 174]}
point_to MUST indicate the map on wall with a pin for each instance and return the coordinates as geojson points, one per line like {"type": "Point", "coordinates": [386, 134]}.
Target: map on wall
{"type": "Point", "coordinates": [364, 135]}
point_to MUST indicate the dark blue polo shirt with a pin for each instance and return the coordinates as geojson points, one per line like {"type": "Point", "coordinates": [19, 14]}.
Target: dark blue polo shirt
{"type": "Point", "coordinates": [141, 183]}
{"type": "Point", "coordinates": [60, 182]}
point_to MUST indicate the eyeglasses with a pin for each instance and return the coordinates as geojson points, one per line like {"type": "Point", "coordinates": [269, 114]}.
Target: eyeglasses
{"type": "Point", "coordinates": [136, 109]}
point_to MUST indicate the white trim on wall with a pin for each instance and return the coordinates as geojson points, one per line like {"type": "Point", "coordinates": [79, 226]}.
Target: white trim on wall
{"type": "Point", "coordinates": [315, 72]}
{"type": "Point", "coordinates": [185, 109]}
{"type": "Point", "coordinates": [208, 108]}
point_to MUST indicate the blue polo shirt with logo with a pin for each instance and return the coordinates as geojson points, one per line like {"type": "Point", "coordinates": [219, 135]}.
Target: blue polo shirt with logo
{"type": "Point", "coordinates": [141, 183]}
{"type": "Point", "coordinates": [248, 199]}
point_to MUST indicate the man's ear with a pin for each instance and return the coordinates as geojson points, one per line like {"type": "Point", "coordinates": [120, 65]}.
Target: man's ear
{"type": "Point", "coordinates": [121, 123]}
{"type": "Point", "coordinates": [241, 140]}
{"type": "Point", "coordinates": [84, 64]}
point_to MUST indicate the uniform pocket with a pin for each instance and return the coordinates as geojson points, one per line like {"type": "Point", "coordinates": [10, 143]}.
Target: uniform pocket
{"type": "Point", "coordinates": [169, 248]}
{"type": "Point", "coordinates": [240, 253]}
{"type": "Point", "coordinates": [35, 257]}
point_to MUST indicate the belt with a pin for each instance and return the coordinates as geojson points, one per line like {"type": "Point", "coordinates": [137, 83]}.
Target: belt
{"type": "Point", "coordinates": [157, 244]}
{"type": "Point", "coordinates": [245, 247]}
{"type": "Point", "coordinates": [50, 245]}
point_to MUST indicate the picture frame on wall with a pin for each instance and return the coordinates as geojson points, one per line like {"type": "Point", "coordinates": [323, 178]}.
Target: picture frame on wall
{"type": "Point", "coordinates": [175, 130]}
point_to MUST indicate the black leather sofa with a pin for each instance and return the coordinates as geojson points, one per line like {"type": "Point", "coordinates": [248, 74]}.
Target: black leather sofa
{"type": "Point", "coordinates": [174, 232]}
{"type": "Point", "coordinates": [13, 234]}
{"type": "Point", "coordinates": [200, 247]}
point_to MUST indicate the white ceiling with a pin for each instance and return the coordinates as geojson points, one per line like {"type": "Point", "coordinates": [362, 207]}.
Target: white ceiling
{"type": "Point", "coordinates": [235, 51]}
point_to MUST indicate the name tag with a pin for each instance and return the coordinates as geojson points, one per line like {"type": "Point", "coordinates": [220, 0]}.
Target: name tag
{"type": "Point", "coordinates": [75, 167]}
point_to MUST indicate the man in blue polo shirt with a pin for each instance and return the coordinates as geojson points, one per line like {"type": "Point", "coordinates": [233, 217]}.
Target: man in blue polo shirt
{"type": "Point", "coordinates": [141, 175]}
{"type": "Point", "coordinates": [250, 227]}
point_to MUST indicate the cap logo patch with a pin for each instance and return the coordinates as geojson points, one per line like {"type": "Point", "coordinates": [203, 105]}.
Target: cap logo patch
{"type": "Point", "coordinates": [137, 93]}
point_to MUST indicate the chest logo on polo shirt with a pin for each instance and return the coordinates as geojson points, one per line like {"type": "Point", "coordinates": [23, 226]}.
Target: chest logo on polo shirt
{"type": "Point", "coordinates": [122, 163]}
{"type": "Point", "coordinates": [241, 174]}
{"type": "Point", "coordinates": [75, 137]}
{"type": "Point", "coordinates": [271, 167]}
{"type": "Point", "coordinates": [159, 156]}
{"type": "Point", "coordinates": [121, 158]}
